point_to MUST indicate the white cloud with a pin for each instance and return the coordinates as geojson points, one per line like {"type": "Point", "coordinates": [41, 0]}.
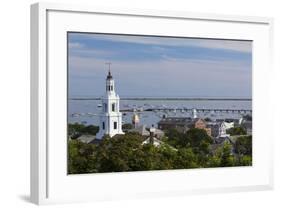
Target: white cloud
{"type": "Point", "coordinates": [177, 77]}
{"type": "Point", "coordinates": [235, 45]}
{"type": "Point", "coordinates": [90, 52]}
{"type": "Point", "coordinates": [75, 45]}
{"type": "Point", "coordinates": [174, 76]}
{"type": "Point", "coordinates": [240, 46]}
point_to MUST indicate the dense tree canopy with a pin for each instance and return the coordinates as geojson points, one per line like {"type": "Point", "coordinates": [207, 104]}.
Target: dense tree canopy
{"type": "Point", "coordinates": [80, 159]}
{"type": "Point", "coordinates": [127, 126]}
{"type": "Point", "coordinates": [236, 131]}
{"type": "Point", "coordinates": [243, 145]}
{"type": "Point", "coordinates": [178, 151]}
{"type": "Point", "coordinates": [75, 130]}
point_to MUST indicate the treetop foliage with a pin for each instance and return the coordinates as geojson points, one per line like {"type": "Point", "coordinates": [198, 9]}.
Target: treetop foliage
{"type": "Point", "coordinates": [127, 152]}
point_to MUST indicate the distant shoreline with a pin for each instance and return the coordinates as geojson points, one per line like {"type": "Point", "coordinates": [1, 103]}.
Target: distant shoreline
{"type": "Point", "coordinates": [162, 98]}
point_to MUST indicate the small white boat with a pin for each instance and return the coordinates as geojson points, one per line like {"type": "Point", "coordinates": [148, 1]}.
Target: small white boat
{"type": "Point", "coordinates": [75, 114]}
{"type": "Point", "coordinates": [99, 105]}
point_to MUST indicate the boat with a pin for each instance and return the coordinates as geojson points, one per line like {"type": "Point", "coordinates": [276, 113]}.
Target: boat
{"type": "Point", "coordinates": [99, 105]}
{"type": "Point", "coordinates": [75, 115]}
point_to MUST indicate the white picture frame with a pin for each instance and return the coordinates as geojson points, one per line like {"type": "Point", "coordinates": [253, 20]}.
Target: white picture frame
{"type": "Point", "coordinates": [49, 181]}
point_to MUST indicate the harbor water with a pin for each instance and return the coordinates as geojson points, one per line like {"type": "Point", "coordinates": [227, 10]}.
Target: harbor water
{"type": "Point", "coordinates": [87, 111]}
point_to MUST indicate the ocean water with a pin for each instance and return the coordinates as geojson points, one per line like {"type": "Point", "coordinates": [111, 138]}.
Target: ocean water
{"type": "Point", "coordinates": [87, 111]}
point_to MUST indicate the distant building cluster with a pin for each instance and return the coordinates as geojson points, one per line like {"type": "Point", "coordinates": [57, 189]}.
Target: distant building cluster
{"type": "Point", "coordinates": [183, 124]}
{"type": "Point", "coordinates": [215, 129]}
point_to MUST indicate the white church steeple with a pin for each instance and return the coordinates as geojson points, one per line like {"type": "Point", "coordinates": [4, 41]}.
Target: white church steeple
{"type": "Point", "coordinates": [110, 117]}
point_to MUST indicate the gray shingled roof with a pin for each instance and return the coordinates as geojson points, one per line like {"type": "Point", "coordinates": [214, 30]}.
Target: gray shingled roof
{"type": "Point", "coordinates": [86, 138]}
{"type": "Point", "coordinates": [141, 130]}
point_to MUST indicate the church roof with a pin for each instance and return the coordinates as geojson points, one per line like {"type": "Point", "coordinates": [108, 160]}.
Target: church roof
{"type": "Point", "coordinates": [141, 130]}
{"type": "Point", "coordinates": [156, 142]}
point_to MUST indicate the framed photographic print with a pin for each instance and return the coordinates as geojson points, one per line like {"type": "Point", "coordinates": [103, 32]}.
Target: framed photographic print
{"type": "Point", "coordinates": [132, 103]}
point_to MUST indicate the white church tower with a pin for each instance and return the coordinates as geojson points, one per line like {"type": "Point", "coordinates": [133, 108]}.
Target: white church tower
{"type": "Point", "coordinates": [110, 117]}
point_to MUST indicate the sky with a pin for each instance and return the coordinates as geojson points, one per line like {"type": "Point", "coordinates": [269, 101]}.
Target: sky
{"type": "Point", "coordinates": [151, 66]}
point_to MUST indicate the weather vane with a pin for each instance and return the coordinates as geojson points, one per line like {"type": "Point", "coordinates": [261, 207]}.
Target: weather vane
{"type": "Point", "coordinates": [108, 63]}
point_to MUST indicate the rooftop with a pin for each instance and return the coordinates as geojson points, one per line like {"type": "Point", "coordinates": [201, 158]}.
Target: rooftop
{"type": "Point", "coordinates": [85, 138]}
{"type": "Point", "coordinates": [176, 120]}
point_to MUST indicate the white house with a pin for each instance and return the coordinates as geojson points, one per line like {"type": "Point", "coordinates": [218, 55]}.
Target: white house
{"type": "Point", "coordinates": [110, 117]}
{"type": "Point", "coordinates": [151, 139]}
{"type": "Point", "coordinates": [223, 127]}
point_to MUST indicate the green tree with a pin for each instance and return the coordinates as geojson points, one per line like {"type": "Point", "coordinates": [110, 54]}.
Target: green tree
{"type": "Point", "coordinates": [173, 137]}
{"type": "Point", "coordinates": [127, 126]}
{"type": "Point", "coordinates": [75, 130]}
{"type": "Point", "coordinates": [152, 157]}
{"type": "Point", "coordinates": [185, 159]}
{"type": "Point", "coordinates": [80, 157]}
{"type": "Point", "coordinates": [118, 153]}
{"type": "Point", "coordinates": [177, 151]}
{"type": "Point", "coordinates": [245, 160]}
{"type": "Point", "coordinates": [167, 157]}
{"type": "Point", "coordinates": [236, 131]}
{"type": "Point", "coordinates": [90, 129]}
{"type": "Point", "coordinates": [195, 138]}
{"type": "Point", "coordinates": [199, 141]}
{"type": "Point", "coordinates": [214, 161]}
{"type": "Point", "coordinates": [227, 159]}
{"type": "Point", "coordinates": [243, 145]}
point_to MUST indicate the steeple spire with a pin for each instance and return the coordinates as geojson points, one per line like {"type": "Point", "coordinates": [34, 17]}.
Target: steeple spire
{"type": "Point", "coordinates": [109, 76]}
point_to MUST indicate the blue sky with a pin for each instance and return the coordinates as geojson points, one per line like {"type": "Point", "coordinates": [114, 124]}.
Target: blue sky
{"type": "Point", "coordinates": [146, 66]}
